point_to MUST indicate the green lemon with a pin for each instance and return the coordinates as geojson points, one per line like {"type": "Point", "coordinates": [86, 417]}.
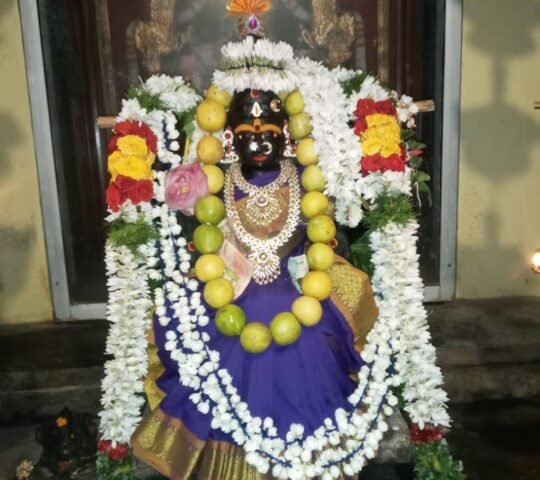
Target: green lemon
{"type": "Point", "coordinates": [305, 152]}
{"type": "Point", "coordinates": [209, 267]}
{"type": "Point", "coordinates": [285, 328]}
{"type": "Point", "coordinates": [300, 126]}
{"type": "Point", "coordinates": [320, 256]}
{"type": "Point", "coordinates": [210, 209]}
{"type": "Point", "coordinates": [294, 103]}
{"type": "Point", "coordinates": [313, 179]}
{"type": "Point", "coordinates": [321, 228]}
{"type": "Point", "coordinates": [317, 285]}
{"type": "Point", "coordinates": [230, 320]}
{"type": "Point", "coordinates": [207, 238]}
{"type": "Point", "coordinates": [211, 116]}
{"type": "Point", "coordinates": [220, 96]}
{"type": "Point", "coordinates": [218, 293]}
{"type": "Point", "coordinates": [313, 204]}
{"type": "Point", "coordinates": [308, 310]}
{"type": "Point", "coordinates": [255, 337]}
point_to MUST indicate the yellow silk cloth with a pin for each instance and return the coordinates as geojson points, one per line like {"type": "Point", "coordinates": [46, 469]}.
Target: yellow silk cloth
{"type": "Point", "coordinates": [170, 448]}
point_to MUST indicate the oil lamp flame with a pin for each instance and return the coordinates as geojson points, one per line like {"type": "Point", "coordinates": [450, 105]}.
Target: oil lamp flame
{"type": "Point", "coordinates": [536, 261]}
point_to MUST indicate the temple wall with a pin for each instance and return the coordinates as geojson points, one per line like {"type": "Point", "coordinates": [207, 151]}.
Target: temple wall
{"type": "Point", "coordinates": [24, 284]}
{"type": "Point", "coordinates": [499, 199]}
{"type": "Point", "coordinates": [499, 187]}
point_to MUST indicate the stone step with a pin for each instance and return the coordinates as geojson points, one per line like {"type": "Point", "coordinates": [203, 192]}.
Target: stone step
{"type": "Point", "coordinates": [489, 348]}
{"type": "Point", "coordinates": [487, 331]}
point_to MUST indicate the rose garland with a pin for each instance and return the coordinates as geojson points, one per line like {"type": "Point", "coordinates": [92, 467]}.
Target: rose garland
{"type": "Point", "coordinates": [398, 350]}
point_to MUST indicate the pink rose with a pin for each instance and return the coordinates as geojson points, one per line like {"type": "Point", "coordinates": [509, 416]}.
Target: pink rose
{"type": "Point", "coordinates": [184, 185]}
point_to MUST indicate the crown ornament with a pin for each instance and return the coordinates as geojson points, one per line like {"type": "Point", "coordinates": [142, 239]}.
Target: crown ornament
{"type": "Point", "coordinates": [249, 12]}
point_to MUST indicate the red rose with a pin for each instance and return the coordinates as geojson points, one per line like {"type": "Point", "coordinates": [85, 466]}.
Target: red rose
{"type": "Point", "coordinates": [142, 191]}
{"type": "Point", "coordinates": [365, 107]}
{"type": "Point", "coordinates": [360, 126]}
{"type": "Point", "coordinates": [104, 446]}
{"type": "Point", "coordinates": [126, 188]}
{"type": "Point", "coordinates": [396, 163]}
{"type": "Point", "coordinates": [386, 107]}
{"type": "Point", "coordinates": [133, 128]}
{"type": "Point", "coordinates": [119, 453]}
{"type": "Point", "coordinates": [378, 163]}
{"type": "Point", "coordinates": [115, 453]}
{"type": "Point", "coordinates": [425, 435]}
{"type": "Point", "coordinates": [114, 197]}
{"type": "Point", "coordinates": [371, 163]}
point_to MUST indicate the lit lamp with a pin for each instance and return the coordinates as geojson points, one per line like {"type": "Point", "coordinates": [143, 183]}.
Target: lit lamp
{"type": "Point", "coordinates": [536, 261]}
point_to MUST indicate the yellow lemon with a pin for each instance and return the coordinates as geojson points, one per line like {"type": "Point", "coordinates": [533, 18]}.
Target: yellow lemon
{"type": "Point", "coordinates": [230, 320]}
{"type": "Point", "coordinates": [255, 337]}
{"type": "Point", "coordinates": [215, 177]}
{"type": "Point", "coordinates": [317, 285]}
{"type": "Point", "coordinates": [294, 103]}
{"type": "Point", "coordinates": [300, 126]}
{"type": "Point", "coordinates": [307, 310]}
{"type": "Point", "coordinates": [209, 267]}
{"type": "Point", "coordinates": [314, 203]}
{"type": "Point", "coordinates": [285, 328]}
{"type": "Point", "coordinates": [207, 238]}
{"type": "Point", "coordinates": [305, 152]}
{"type": "Point", "coordinates": [211, 116]}
{"type": "Point", "coordinates": [220, 96]}
{"type": "Point", "coordinates": [209, 209]}
{"type": "Point", "coordinates": [321, 229]}
{"type": "Point", "coordinates": [313, 179]}
{"type": "Point", "coordinates": [218, 293]}
{"type": "Point", "coordinates": [320, 256]}
{"type": "Point", "coordinates": [209, 150]}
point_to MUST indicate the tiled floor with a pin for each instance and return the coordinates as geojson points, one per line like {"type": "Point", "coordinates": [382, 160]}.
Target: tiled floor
{"type": "Point", "coordinates": [497, 440]}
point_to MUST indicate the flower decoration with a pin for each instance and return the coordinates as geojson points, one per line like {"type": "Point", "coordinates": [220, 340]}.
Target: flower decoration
{"type": "Point", "coordinates": [377, 126]}
{"type": "Point", "coordinates": [184, 185]}
{"type": "Point", "coordinates": [138, 129]}
{"type": "Point", "coordinates": [126, 188]}
{"type": "Point", "coordinates": [115, 452]}
{"type": "Point", "coordinates": [398, 352]}
{"type": "Point", "coordinates": [247, 7]}
{"type": "Point", "coordinates": [426, 434]}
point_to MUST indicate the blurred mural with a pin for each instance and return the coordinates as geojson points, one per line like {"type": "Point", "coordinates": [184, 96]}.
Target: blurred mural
{"type": "Point", "coordinates": [184, 37]}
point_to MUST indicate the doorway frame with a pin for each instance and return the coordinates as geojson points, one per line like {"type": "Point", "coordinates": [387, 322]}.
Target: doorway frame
{"type": "Point", "coordinates": [64, 310]}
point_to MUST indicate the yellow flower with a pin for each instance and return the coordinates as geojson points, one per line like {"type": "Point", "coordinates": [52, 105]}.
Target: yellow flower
{"type": "Point", "coordinates": [138, 168]}
{"type": "Point", "coordinates": [382, 136]}
{"type": "Point", "coordinates": [132, 145]}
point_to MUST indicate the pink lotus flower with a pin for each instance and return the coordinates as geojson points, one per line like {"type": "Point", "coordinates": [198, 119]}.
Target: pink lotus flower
{"type": "Point", "coordinates": [184, 185]}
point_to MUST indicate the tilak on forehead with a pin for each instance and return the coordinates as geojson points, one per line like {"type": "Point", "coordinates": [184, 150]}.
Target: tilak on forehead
{"type": "Point", "coordinates": [255, 111]}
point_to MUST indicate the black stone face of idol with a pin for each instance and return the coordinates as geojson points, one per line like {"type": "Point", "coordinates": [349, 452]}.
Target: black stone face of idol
{"type": "Point", "coordinates": [260, 149]}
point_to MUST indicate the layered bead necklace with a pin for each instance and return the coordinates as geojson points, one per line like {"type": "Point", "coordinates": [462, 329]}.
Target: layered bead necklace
{"type": "Point", "coordinates": [262, 208]}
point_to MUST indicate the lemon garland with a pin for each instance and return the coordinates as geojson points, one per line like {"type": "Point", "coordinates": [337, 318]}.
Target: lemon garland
{"type": "Point", "coordinates": [306, 311]}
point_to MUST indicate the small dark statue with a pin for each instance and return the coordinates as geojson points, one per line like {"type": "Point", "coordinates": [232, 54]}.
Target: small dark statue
{"type": "Point", "coordinates": [69, 446]}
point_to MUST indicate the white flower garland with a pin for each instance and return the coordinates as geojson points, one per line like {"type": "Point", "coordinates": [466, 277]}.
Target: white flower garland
{"type": "Point", "coordinates": [128, 311]}
{"type": "Point", "coordinates": [261, 65]}
{"type": "Point", "coordinates": [129, 304]}
{"type": "Point", "coordinates": [398, 349]}
{"type": "Point", "coordinates": [335, 142]}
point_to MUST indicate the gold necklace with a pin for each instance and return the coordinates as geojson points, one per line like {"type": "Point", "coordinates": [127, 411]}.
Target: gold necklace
{"type": "Point", "coordinates": [262, 206]}
{"type": "Point", "coordinates": [263, 252]}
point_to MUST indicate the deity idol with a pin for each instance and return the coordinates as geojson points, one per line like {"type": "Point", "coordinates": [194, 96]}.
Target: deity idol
{"type": "Point", "coordinates": [296, 354]}
{"type": "Point", "coordinates": [268, 357]}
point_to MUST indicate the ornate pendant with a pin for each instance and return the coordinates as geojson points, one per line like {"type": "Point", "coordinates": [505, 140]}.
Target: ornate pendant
{"type": "Point", "coordinates": [262, 209]}
{"type": "Point", "coordinates": [266, 266]}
